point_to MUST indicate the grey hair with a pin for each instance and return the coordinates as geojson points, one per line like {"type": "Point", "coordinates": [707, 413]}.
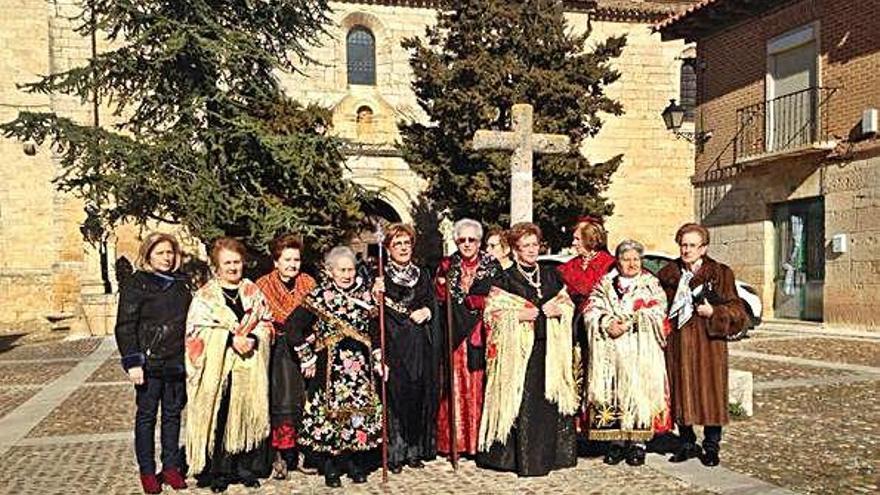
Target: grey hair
{"type": "Point", "coordinates": [338, 252]}
{"type": "Point", "coordinates": [629, 245]}
{"type": "Point", "coordinates": [465, 223]}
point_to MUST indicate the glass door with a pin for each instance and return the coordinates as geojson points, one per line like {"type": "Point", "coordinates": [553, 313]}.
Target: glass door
{"type": "Point", "coordinates": [800, 259]}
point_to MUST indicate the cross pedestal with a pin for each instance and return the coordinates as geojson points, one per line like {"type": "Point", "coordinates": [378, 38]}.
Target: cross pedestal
{"type": "Point", "coordinates": [524, 143]}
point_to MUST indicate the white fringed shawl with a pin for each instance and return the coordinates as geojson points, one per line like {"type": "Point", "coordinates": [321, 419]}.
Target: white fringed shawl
{"type": "Point", "coordinates": [208, 364]}
{"type": "Point", "coordinates": [508, 350]}
{"type": "Point", "coordinates": [629, 372]}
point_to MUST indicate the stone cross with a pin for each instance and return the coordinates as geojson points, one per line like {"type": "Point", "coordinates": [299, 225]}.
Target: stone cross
{"type": "Point", "coordinates": [524, 143]}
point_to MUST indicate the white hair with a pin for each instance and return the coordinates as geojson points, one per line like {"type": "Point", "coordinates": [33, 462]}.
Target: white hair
{"type": "Point", "coordinates": [333, 256]}
{"type": "Point", "coordinates": [467, 223]}
{"type": "Point", "coordinates": [629, 245]}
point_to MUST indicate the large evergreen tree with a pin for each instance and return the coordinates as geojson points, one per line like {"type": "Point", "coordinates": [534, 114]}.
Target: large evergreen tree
{"type": "Point", "coordinates": [206, 137]}
{"type": "Point", "coordinates": [480, 59]}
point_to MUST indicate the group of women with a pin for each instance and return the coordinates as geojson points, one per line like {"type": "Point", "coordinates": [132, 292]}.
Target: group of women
{"type": "Point", "coordinates": [285, 372]}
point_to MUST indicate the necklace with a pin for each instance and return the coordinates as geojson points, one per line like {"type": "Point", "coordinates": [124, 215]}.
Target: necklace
{"type": "Point", "coordinates": [233, 299]}
{"type": "Point", "coordinates": [533, 278]}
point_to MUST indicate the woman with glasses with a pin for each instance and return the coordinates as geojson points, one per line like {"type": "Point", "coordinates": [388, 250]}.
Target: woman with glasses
{"type": "Point", "coordinates": [413, 344]}
{"type": "Point", "coordinates": [703, 309]}
{"type": "Point", "coordinates": [454, 278]}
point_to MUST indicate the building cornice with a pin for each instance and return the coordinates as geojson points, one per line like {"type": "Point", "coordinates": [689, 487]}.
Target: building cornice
{"type": "Point", "coordinates": [710, 16]}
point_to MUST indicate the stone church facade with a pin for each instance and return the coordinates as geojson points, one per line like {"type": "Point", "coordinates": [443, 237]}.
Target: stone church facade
{"type": "Point", "coordinates": [49, 275]}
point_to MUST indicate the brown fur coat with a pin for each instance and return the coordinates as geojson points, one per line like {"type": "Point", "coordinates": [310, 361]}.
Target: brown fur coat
{"type": "Point", "coordinates": [696, 354]}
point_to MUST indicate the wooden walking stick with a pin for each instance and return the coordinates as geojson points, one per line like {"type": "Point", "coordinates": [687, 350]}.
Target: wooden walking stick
{"type": "Point", "coordinates": [381, 301]}
{"type": "Point", "coordinates": [453, 424]}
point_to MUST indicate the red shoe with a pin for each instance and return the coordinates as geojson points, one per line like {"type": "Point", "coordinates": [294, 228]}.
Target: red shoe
{"type": "Point", "coordinates": [173, 478]}
{"type": "Point", "coordinates": [151, 483]}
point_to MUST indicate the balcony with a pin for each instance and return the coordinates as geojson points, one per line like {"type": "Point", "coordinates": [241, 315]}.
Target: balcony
{"type": "Point", "coordinates": [792, 125]}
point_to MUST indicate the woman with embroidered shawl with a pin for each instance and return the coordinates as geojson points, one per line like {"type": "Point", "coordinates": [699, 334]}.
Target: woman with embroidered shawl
{"type": "Point", "coordinates": [335, 335]}
{"type": "Point", "coordinates": [527, 424]}
{"type": "Point", "coordinates": [228, 333]}
{"type": "Point", "coordinates": [285, 287]}
{"type": "Point", "coordinates": [413, 347]}
{"type": "Point", "coordinates": [626, 324]}
{"type": "Point", "coordinates": [457, 273]}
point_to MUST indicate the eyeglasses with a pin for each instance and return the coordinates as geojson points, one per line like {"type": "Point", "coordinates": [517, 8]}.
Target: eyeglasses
{"type": "Point", "coordinates": [467, 240]}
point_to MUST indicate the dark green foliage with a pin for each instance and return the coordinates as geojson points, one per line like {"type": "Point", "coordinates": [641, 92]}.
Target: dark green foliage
{"type": "Point", "coordinates": [480, 59]}
{"type": "Point", "coordinates": [205, 137]}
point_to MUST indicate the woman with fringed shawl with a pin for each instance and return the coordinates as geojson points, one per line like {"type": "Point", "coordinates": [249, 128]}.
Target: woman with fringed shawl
{"type": "Point", "coordinates": [285, 287]}
{"type": "Point", "coordinates": [628, 393]}
{"type": "Point", "coordinates": [228, 332]}
{"type": "Point", "coordinates": [527, 424]}
{"type": "Point", "coordinates": [335, 334]}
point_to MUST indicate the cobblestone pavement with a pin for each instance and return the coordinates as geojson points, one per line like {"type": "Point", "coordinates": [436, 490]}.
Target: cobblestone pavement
{"type": "Point", "coordinates": [808, 435]}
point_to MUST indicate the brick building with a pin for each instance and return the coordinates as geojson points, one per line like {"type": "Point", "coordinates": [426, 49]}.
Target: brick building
{"type": "Point", "coordinates": [789, 181]}
{"type": "Point", "coordinates": [47, 272]}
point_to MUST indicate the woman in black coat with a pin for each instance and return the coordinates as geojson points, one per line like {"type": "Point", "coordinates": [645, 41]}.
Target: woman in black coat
{"type": "Point", "coordinates": [150, 328]}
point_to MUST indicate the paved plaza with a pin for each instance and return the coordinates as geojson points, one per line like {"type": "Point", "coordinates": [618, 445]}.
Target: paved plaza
{"type": "Point", "coordinates": [66, 415]}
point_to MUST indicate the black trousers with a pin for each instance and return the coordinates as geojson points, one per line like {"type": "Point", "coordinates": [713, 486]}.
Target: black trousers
{"type": "Point", "coordinates": [711, 436]}
{"type": "Point", "coordinates": [170, 393]}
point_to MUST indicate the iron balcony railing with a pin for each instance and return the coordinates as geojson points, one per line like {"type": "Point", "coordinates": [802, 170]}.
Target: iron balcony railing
{"type": "Point", "coordinates": [791, 122]}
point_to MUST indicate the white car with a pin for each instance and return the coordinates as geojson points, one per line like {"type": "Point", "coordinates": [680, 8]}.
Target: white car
{"type": "Point", "coordinates": [653, 261]}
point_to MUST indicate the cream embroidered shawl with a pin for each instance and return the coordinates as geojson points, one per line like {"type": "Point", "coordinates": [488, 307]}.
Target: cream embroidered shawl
{"type": "Point", "coordinates": [507, 355]}
{"type": "Point", "coordinates": [208, 364]}
{"type": "Point", "coordinates": [628, 372]}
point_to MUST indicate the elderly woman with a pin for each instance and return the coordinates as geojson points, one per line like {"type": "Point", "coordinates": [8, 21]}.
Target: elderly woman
{"type": "Point", "coordinates": [455, 276]}
{"type": "Point", "coordinates": [496, 245]}
{"type": "Point", "coordinates": [150, 329]}
{"type": "Point", "coordinates": [413, 346]}
{"type": "Point", "coordinates": [627, 328]}
{"type": "Point", "coordinates": [335, 335]}
{"type": "Point", "coordinates": [285, 287]}
{"type": "Point", "coordinates": [527, 425]}
{"type": "Point", "coordinates": [704, 309]}
{"type": "Point", "coordinates": [228, 335]}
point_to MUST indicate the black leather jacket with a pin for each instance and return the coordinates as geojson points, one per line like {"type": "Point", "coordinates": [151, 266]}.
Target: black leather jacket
{"type": "Point", "coordinates": [151, 321]}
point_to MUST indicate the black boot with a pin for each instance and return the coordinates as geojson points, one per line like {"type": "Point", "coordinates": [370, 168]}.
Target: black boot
{"type": "Point", "coordinates": [616, 453]}
{"type": "Point", "coordinates": [635, 456]}
{"type": "Point", "coordinates": [332, 477]}
{"type": "Point", "coordinates": [710, 458]}
{"type": "Point", "coordinates": [685, 452]}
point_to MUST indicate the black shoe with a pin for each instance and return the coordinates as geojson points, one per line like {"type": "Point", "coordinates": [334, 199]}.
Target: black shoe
{"type": "Point", "coordinates": [615, 454]}
{"type": "Point", "coordinates": [685, 452]}
{"type": "Point", "coordinates": [395, 468]}
{"type": "Point", "coordinates": [710, 458]}
{"type": "Point", "coordinates": [219, 486]}
{"type": "Point", "coordinates": [358, 478]}
{"type": "Point", "coordinates": [635, 456]}
{"type": "Point", "coordinates": [416, 464]}
{"type": "Point", "coordinates": [251, 482]}
{"type": "Point", "coordinates": [332, 480]}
